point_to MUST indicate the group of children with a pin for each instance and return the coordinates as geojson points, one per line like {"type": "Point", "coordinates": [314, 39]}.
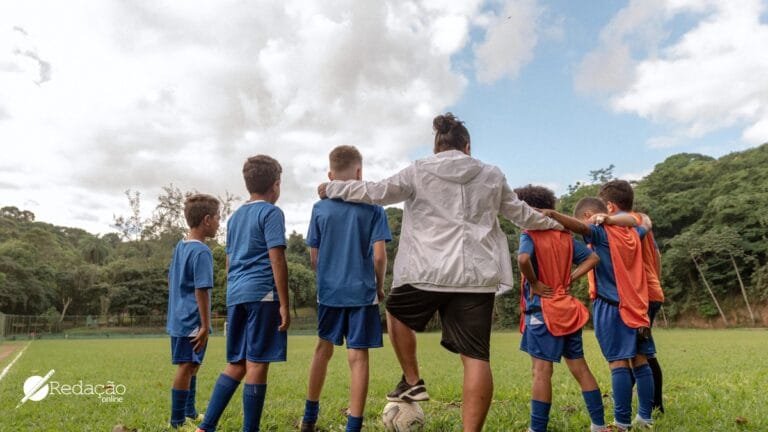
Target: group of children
{"type": "Point", "coordinates": [347, 250]}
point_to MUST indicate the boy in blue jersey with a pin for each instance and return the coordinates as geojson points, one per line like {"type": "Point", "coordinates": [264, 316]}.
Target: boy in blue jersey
{"type": "Point", "coordinates": [348, 252]}
{"type": "Point", "coordinates": [552, 319]}
{"type": "Point", "coordinates": [620, 306]}
{"type": "Point", "coordinates": [190, 279]}
{"type": "Point", "coordinates": [257, 295]}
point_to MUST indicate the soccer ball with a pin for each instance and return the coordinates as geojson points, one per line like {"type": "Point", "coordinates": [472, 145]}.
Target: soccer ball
{"type": "Point", "coordinates": [403, 417]}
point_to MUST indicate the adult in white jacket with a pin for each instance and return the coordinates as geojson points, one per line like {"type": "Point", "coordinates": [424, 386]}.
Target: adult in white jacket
{"type": "Point", "coordinates": [451, 259]}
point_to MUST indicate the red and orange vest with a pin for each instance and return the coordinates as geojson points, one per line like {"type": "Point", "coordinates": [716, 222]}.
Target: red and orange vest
{"type": "Point", "coordinates": [563, 314]}
{"type": "Point", "coordinates": [628, 269]}
{"type": "Point", "coordinates": [651, 264]}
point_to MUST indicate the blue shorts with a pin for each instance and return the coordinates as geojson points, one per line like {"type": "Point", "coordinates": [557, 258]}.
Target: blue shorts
{"type": "Point", "coordinates": [182, 352]}
{"type": "Point", "coordinates": [252, 333]}
{"type": "Point", "coordinates": [617, 341]}
{"type": "Point", "coordinates": [359, 325]}
{"type": "Point", "coordinates": [540, 343]}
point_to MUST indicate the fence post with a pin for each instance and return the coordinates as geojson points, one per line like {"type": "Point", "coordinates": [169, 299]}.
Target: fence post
{"type": "Point", "coordinates": [2, 326]}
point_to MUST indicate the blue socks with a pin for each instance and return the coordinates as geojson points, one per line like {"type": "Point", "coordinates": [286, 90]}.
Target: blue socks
{"type": "Point", "coordinates": [222, 392]}
{"type": "Point", "coordinates": [178, 400]}
{"type": "Point", "coordinates": [354, 424]}
{"type": "Point", "coordinates": [539, 415]}
{"type": "Point", "coordinates": [311, 411]}
{"type": "Point", "coordinates": [621, 380]}
{"type": "Point", "coordinates": [253, 405]}
{"type": "Point", "coordinates": [644, 377]}
{"type": "Point", "coordinates": [594, 401]}
{"type": "Point", "coordinates": [189, 408]}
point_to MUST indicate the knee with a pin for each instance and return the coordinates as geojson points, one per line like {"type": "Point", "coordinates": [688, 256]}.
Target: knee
{"type": "Point", "coordinates": [324, 350]}
{"type": "Point", "coordinates": [357, 357]}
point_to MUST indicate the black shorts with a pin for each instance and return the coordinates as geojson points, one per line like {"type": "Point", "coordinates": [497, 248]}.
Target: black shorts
{"type": "Point", "coordinates": [466, 318]}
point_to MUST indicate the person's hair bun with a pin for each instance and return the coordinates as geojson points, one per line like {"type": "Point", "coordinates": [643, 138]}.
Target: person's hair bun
{"type": "Point", "coordinates": [444, 123]}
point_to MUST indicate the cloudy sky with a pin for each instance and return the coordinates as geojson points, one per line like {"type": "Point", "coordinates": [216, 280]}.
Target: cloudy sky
{"type": "Point", "coordinates": [97, 97]}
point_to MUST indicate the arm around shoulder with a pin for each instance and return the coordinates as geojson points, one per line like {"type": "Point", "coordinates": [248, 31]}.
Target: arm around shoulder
{"type": "Point", "coordinates": [391, 190]}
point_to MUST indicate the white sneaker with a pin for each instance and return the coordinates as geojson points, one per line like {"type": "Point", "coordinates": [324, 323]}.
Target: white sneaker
{"type": "Point", "coordinates": [642, 423]}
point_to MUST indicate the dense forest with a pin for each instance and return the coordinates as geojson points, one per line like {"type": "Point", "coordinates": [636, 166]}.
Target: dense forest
{"type": "Point", "coordinates": [709, 219]}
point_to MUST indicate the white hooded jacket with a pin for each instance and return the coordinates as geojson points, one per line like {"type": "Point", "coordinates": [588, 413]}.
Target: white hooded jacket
{"type": "Point", "coordinates": [450, 238]}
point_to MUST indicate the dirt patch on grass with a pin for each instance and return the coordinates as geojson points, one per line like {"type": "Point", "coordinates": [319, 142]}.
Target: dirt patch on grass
{"type": "Point", "coordinates": [6, 350]}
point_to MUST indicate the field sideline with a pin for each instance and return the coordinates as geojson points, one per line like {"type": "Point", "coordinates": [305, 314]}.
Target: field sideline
{"type": "Point", "coordinates": [714, 381]}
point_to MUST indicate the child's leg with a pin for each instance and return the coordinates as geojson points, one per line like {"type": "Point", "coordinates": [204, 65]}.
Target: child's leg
{"type": "Point", "coordinates": [189, 409]}
{"type": "Point", "coordinates": [541, 394]}
{"type": "Point", "coordinates": [180, 392]}
{"type": "Point", "coordinates": [223, 390]}
{"type": "Point", "coordinates": [590, 391]}
{"type": "Point", "coordinates": [358, 389]}
{"type": "Point", "coordinates": [644, 378]}
{"type": "Point", "coordinates": [317, 372]}
{"type": "Point", "coordinates": [254, 393]}
{"type": "Point", "coordinates": [621, 380]}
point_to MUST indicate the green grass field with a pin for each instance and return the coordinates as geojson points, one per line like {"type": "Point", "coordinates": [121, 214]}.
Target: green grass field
{"type": "Point", "coordinates": [714, 381]}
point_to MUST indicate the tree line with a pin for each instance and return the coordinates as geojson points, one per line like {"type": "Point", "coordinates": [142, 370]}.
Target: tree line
{"type": "Point", "coordinates": [709, 216]}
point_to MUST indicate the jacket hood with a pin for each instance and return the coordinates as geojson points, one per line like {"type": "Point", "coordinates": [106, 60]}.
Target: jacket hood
{"type": "Point", "coordinates": [452, 165]}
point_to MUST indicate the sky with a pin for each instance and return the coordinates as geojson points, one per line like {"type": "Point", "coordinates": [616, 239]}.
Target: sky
{"type": "Point", "coordinates": [100, 97]}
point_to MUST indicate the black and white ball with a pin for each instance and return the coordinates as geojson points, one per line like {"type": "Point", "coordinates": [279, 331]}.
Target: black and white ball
{"type": "Point", "coordinates": [403, 417]}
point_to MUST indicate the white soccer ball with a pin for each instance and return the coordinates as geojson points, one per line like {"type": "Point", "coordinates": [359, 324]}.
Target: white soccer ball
{"type": "Point", "coordinates": [403, 417]}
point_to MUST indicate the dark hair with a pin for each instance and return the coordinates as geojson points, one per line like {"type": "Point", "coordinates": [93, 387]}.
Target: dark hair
{"type": "Point", "coordinates": [198, 206]}
{"type": "Point", "coordinates": [450, 133]}
{"type": "Point", "coordinates": [537, 196]}
{"type": "Point", "coordinates": [260, 173]}
{"type": "Point", "coordinates": [592, 204]}
{"type": "Point", "coordinates": [618, 192]}
{"type": "Point", "coordinates": [343, 157]}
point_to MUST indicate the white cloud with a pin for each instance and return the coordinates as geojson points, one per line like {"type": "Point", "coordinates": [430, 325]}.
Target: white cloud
{"type": "Point", "coordinates": [510, 39]}
{"type": "Point", "coordinates": [702, 81]}
{"type": "Point", "coordinates": [100, 97]}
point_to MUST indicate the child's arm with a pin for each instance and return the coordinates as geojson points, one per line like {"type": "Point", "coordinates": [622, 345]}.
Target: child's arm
{"type": "Point", "coordinates": [203, 306]}
{"type": "Point", "coordinates": [526, 268]}
{"type": "Point", "coordinates": [391, 190]}
{"type": "Point", "coordinates": [570, 223]}
{"type": "Point", "coordinates": [523, 215]}
{"type": "Point", "coordinates": [314, 253]}
{"type": "Point", "coordinates": [585, 266]}
{"type": "Point", "coordinates": [380, 266]}
{"type": "Point", "coordinates": [280, 271]}
{"type": "Point", "coordinates": [621, 219]}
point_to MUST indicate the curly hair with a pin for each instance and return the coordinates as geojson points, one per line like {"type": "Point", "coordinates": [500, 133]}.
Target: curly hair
{"type": "Point", "coordinates": [260, 173]}
{"type": "Point", "coordinates": [537, 196]}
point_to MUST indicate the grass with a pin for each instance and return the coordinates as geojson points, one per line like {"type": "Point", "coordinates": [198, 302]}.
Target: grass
{"type": "Point", "coordinates": [714, 381]}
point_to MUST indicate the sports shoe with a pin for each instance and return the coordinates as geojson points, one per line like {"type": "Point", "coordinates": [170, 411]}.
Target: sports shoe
{"type": "Point", "coordinates": [308, 427]}
{"type": "Point", "coordinates": [405, 392]}
{"type": "Point", "coordinates": [595, 428]}
{"type": "Point", "coordinates": [641, 423]}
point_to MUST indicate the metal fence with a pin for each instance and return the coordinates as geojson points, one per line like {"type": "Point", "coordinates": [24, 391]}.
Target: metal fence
{"type": "Point", "coordinates": [15, 327]}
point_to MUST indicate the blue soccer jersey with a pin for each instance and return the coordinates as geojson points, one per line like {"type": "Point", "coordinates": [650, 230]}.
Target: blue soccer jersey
{"type": "Point", "coordinates": [605, 278]}
{"type": "Point", "coordinates": [252, 231]}
{"type": "Point", "coordinates": [344, 234]}
{"type": "Point", "coordinates": [580, 253]}
{"type": "Point", "coordinates": [191, 268]}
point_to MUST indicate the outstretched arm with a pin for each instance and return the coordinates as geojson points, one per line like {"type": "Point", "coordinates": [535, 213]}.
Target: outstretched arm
{"type": "Point", "coordinates": [570, 223]}
{"type": "Point", "coordinates": [621, 219]}
{"type": "Point", "coordinates": [391, 190]}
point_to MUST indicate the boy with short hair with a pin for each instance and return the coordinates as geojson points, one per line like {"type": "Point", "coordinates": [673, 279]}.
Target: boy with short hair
{"type": "Point", "coordinates": [190, 280]}
{"type": "Point", "coordinates": [620, 307]}
{"type": "Point", "coordinates": [348, 252]}
{"type": "Point", "coordinates": [552, 319]}
{"type": "Point", "coordinates": [619, 197]}
{"type": "Point", "coordinates": [257, 295]}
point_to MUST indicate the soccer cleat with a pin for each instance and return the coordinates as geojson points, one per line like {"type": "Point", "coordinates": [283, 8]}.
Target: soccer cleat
{"type": "Point", "coordinates": [308, 427]}
{"type": "Point", "coordinates": [596, 428]}
{"type": "Point", "coordinates": [641, 423]}
{"type": "Point", "coordinates": [405, 392]}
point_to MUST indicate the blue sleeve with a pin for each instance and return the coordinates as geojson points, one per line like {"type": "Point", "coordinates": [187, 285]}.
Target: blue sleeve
{"type": "Point", "coordinates": [203, 269]}
{"type": "Point", "coordinates": [230, 236]}
{"type": "Point", "coordinates": [593, 236]}
{"type": "Point", "coordinates": [580, 252]}
{"type": "Point", "coordinates": [526, 245]}
{"type": "Point", "coordinates": [380, 227]}
{"type": "Point", "coordinates": [274, 228]}
{"type": "Point", "coordinates": [641, 231]}
{"type": "Point", "coordinates": [313, 232]}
